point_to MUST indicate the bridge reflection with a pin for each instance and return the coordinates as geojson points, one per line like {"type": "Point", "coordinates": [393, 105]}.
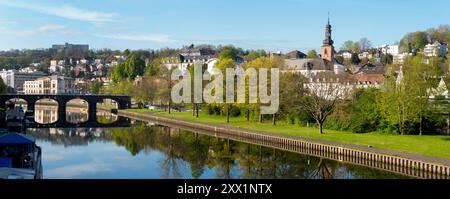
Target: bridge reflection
{"type": "Point", "coordinates": [50, 117]}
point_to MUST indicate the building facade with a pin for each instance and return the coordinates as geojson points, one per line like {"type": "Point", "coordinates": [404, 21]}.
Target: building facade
{"type": "Point", "coordinates": [71, 48]}
{"type": "Point", "coordinates": [51, 85]}
{"type": "Point", "coordinates": [435, 50]}
{"type": "Point", "coordinates": [14, 80]}
{"type": "Point", "coordinates": [393, 50]}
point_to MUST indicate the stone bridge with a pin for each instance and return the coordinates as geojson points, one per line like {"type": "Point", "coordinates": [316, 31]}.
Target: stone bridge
{"type": "Point", "coordinates": [123, 101]}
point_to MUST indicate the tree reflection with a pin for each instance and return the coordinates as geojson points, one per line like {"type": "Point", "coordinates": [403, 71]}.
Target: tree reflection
{"type": "Point", "coordinates": [189, 154]}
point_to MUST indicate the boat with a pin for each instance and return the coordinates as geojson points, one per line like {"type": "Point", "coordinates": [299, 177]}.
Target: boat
{"type": "Point", "coordinates": [15, 118]}
{"type": "Point", "coordinates": [20, 157]}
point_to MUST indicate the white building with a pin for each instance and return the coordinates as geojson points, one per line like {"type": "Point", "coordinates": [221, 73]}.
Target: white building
{"type": "Point", "coordinates": [8, 77]}
{"type": "Point", "coordinates": [345, 54]}
{"type": "Point", "coordinates": [390, 49]}
{"type": "Point", "coordinates": [50, 85]}
{"type": "Point", "coordinates": [400, 58]}
{"type": "Point", "coordinates": [312, 66]}
{"type": "Point", "coordinates": [364, 55]}
{"type": "Point", "coordinates": [435, 50]}
{"type": "Point", "coordinates": [57, 67]}
{"type": "Point", "coordinates": [27, 70]}
{"type": "Point", "coordinates": [14, 80]}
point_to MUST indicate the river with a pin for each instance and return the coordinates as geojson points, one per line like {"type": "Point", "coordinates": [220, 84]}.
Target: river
{"type": "Point", "coordinates": [149, 151]}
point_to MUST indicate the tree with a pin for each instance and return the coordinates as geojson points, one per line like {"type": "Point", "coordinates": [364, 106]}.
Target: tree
{"type": "Point", "coordinates": [266, 62]}
{"type": "Point", "coordinates": [134, 66]}
{"type": "Point", "coordinates": [420, 39]}
{"type": "Point", "coordinates": [96, 87]}
{"type": "Point", "coordinates": [312, 54]}
{"type": "Point", "coordinates": [228, 53]}
{"type": "Point", "coordinates": [339, 59]}
{"type": "Point", "coordinates": [322, 97]}
{"type": "Point", "coordinates": [118, 73]}
{"type": "Point", "coordinates": [347, 45]}
{"type": "Point", "coordinates": [355, 59]}
{"type": "Point", "coordinates": [223, 64]}
{"type": "Point", "coordinates": [403, 100]}
{"type": "Point", "coordinates": [387, 59]}
{"type": "Point", "coordinates": [254, 55]}
{"type": "Point", "coordinates": [145, 90]}
{"type": "Point", "coordinates": [364, 44]}
{"type": "Point", "coordinates": [126, 52]}
{"type": "Point", "coordinates": [153, 68]}
{"type": "Point", "coordinates": [291, 94]}
{"type": "Point", "coordinates": [420, 75]}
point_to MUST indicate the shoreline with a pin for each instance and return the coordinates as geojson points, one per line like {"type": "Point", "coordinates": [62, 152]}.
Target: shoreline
{"type": "Point", "coordinates": [366, 156]}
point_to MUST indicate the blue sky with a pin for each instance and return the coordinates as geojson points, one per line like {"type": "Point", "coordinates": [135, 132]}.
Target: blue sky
{"type": "Point", "coordinates": [251, 24]}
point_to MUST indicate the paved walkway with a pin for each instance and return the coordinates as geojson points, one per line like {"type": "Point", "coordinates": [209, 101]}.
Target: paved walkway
{"type": "Point", "coordinates": [314, 140]}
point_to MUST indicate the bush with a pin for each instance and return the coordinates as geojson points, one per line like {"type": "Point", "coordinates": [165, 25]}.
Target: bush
{"type": "Point", "coordinates": [235, 111]}
{"type": "Point", "coordinates": [290, 119]}
{"type": "Point", "coordinates": [213, 110]}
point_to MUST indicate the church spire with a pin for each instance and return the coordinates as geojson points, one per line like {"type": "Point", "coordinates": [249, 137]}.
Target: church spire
{"type": "Point", "coordinates": [328, 40]}
{"type": "Point", "coordinates": [327, 51]}
{"type": "Point", "coordinates": [328, 18]}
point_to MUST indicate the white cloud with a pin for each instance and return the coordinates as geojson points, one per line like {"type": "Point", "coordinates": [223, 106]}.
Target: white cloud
{"type": "Point", "coordinates": [76, 170]}
{"type": "Point", "coordinates": [44, 29]}
{"type": "Point", "coordinates": [65, 11]}
{"type": "Point", "coordinates": [159, 38]}
{"type": "Point", "coordinates": [51, 27]}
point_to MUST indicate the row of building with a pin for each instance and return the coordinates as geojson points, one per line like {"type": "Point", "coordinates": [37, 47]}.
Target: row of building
{"type": "Point", "coordinates": [37, 82]}
{"type": "Point", "coordinates": [435, 49]}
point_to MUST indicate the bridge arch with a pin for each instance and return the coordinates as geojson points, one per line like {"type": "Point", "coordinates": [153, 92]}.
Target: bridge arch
{"type": "Point", "coordinates": [17, 101]}
{"type": "Point", "coordinates": [77, 111]}
{"type": "Point", "coordinates": [46, 111]}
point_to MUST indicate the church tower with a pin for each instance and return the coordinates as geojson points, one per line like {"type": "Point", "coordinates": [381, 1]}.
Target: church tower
{"type": "Point", "coordinates": [327, 51]}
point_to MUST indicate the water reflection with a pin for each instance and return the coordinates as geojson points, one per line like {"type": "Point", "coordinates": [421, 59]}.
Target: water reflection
{"type": "Point", "coordinates": [147, 151]}
{"type": "Point", "coordinates": [74, 115]}
{"type": "Point", "coordinates": [46, 114]}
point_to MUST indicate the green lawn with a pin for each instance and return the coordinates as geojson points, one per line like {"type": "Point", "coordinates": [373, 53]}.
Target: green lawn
{"type": "Point", "coordinates": [436, 146]}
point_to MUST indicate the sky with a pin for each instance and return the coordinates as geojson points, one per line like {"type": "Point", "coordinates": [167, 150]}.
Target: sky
{"type": "Point", "coordinates": [280, 25]}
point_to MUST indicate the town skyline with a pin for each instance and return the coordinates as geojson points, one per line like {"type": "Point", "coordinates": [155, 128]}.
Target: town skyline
{"type": "Point", "coordinates": [30, 25]}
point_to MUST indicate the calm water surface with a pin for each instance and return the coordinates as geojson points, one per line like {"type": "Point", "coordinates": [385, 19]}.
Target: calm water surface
{"type": "Point", "coordinates": [148, 151]}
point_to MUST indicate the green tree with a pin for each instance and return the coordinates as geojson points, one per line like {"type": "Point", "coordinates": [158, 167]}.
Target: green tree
{"type": "Point", "coordinates": [355, 59]}
{"type": "Point", "coordinates": [126, 52]}
{"type": "Point", "coordinates": [347, 45]}
{"type": "Point", "coordinates": [387, 59]}
{"type": "Point", "coordinates": [118, 73]}
{"type": "Point", "coordinates": [312, 54]}
{"type": "Point", "coordinates": [228, 53]}
{"type": "Point", "coordinates": [96, 87]}
{"type": "Point", "coordinates": [420, 39]}
{"type": "Point", "coordinates": [223, 64]}
{"type": "Point", "coordinates": [153, 68]}
{"type": "Point", "coordinates": [134, 66]}
{"type": "Point", "coordinates": [254, 55]}
{"type": "Point", "coordinates": [340, 59]}
{"type": "Point", "coordinates": [403, 100]}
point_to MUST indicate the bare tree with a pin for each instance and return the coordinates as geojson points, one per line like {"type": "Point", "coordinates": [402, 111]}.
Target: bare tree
{"type": "Point", "coordinates": [365, 44]}
{"type": "Point", "coordinates": [323, 94]}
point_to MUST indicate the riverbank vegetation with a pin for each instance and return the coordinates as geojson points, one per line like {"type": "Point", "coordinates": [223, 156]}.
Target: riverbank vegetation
{"type": "Point", "coordinates": [429, 145]}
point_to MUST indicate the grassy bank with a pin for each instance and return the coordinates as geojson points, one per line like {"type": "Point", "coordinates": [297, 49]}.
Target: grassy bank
{"type": "Point", "coordinates": [435, 146]}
